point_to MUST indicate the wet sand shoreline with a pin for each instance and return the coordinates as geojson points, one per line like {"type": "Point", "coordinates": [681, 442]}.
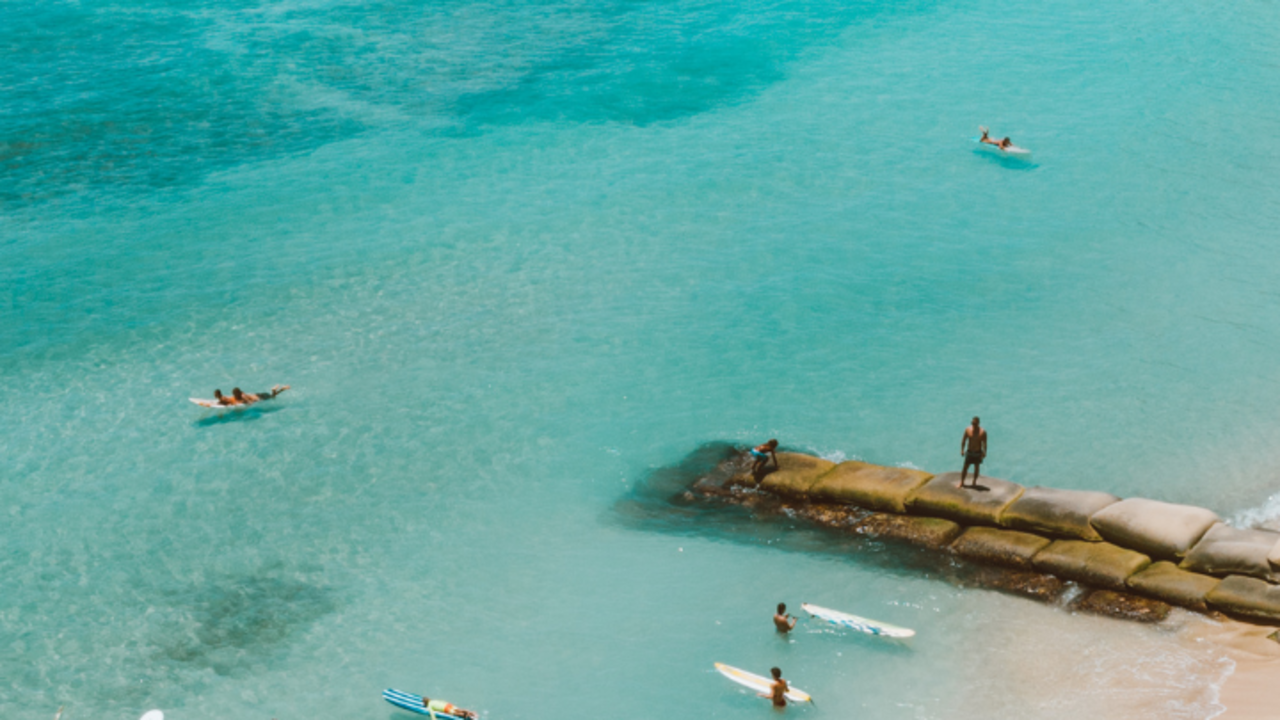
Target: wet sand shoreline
{"type": "Point", "coordinates": [1248, 692]}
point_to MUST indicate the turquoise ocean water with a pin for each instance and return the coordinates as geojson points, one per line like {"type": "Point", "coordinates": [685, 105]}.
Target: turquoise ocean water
{"type": "Point", "coordinates": [514, 256]}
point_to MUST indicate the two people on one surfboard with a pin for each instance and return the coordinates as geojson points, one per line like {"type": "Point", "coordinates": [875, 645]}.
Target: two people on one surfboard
{"type": "Point", "coordinates": [1004, 144]}
{"type": "Point", "coordinates": [782, 620]}
{"type": "Point", "coordinates": [447, 708]}
{"type": "Point", "coordinates": [973, 446]}
{"type": "Point", "coordinates": [761, 454]}
{"type": "Point", "coordinates": [239, 397]}
{"type": "Point", "coordinates": [778, 690]}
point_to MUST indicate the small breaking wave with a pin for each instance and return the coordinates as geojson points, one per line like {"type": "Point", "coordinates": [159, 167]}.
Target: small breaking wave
{"type": "Point", "coordinates": [1265, 516]}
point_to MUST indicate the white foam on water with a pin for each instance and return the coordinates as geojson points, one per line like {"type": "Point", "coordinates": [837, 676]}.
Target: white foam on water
{"type": "Point", "coordinates": [1265, 516]}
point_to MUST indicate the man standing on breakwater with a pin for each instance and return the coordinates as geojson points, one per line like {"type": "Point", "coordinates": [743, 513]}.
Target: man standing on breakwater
{"type": "Point", "coordinates": [973, 446]}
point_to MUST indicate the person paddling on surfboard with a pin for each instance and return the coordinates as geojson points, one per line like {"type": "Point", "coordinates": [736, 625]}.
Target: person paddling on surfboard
{"type": "Point", "coordinates": [782, 621]}
{"type": "Point", "coordinates": [778, 693]}
{"type": "Point", "coordinates": [243, 398]}
{"type": "Point", "coordinates": [447, 708]}
{"type": "Point", "coordinates": [1004, 144]}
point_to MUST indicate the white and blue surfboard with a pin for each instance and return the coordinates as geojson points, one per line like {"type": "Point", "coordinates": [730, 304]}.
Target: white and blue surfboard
{"type": "Point", "coordinates": [413, 703]}
{"type": "Point", "coordinates": [861, 624]}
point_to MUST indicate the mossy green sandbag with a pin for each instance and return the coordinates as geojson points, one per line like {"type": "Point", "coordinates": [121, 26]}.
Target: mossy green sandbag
{"type": "Point", "coordinates": [1100, 564]}
{"type": "Point", "coordinates": [796, 473]}
{"type": "Point", "coordinates": [870, 486]}
{"type": "Point", "coordinates": [1057, 513]}
{"type": "Point", "coordinates": [1165, 581]}
{"type": "Point", "coordinates": [1009, 548]}
{"type": "Point", "coordinates": [970, 506]}
{"type": "Point", "coordinates": [1248, 597]}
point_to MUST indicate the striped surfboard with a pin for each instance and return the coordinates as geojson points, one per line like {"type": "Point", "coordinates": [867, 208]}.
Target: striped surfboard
{"type": "Point", "coordinates": [413, 703]}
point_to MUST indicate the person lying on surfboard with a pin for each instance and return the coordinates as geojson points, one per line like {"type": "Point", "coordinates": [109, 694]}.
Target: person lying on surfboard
{"type": "Point", "coordinates": [1004, 144]}
{"type": "Point", "coordinates": [780, 688]}
{"type": "Point", "coordinates": [781, 620]}
{"type": "Point", "coordinates": [244, 398]}
{"type": "Point", "coordinates": [239, 397]}
{"type": "Point", "coordinates": [448, 708]}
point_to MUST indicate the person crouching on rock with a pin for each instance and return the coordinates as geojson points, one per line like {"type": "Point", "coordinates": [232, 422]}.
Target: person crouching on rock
{"type": "Point", "coordinates": [446, 708]}
{"type": "Point", "coordinates": [761, 454]}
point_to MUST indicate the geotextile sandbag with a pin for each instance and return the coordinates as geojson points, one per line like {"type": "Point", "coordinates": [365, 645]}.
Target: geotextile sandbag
{"type": "Point", "coordinates": [871, 486]}
{"type": "Point", "coordinates": [1010, 548]}
{"type": "Point", "coordinates": [968, 505]}
{"type": "Point", "coordinates": [1057, 513]}
{"type": "Point", "coordinates": [1165, 581]}
{"type": "Point", "coordinates": [796, 473]}
{"type": "Point", "coordinates": [1100, 564]}
{"type": "Point", "coordinates": [1225, 550]}
{"type": "Point", "coordinates": [1159, 529]}
{"type": "Point", "coordinates": [1246, 596]}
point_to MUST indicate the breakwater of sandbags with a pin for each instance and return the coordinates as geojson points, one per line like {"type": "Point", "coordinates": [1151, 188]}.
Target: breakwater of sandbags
{"type": "Point", "coordinates": [1133, 557]}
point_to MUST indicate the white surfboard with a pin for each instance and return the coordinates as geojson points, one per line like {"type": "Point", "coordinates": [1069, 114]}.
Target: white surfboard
{"type": "Point", "coordinates": [759, 684]}
{"type": "Point", "coordinates": [153, 715]}
{"type": "Point", "coordinates": [1013, 151]}
{"type": "Point", "coordinates": [861, 624]}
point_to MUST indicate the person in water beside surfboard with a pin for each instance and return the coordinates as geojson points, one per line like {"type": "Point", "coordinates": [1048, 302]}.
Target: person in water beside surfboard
{"type": "Point", "coordinates": [778, 694]}
{"type": "Point", "coordinates": [447, 708]}
{"type": "Point", "coordinates": [761, 454]}
{"type": "Point", "coordinates": [239, 397]}
{"type": "Point", "coordinates": [1004, 144]}
{"type": "Point", "coordinates": [973, 446]}
{"type": "Point", "coordinates": [783, 621]}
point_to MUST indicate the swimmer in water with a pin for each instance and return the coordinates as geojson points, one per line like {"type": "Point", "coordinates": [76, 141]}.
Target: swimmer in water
{"type": "Point", "coordinates": [778, 692]}
{"type": "Point", "coordinates": [1004, 144]}
{"type": "Point", "coordinates": [440, 706]}
{"type": "Point", "coordinates": [782, 621]}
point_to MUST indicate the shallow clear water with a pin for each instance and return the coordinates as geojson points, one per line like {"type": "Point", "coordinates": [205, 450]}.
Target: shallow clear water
{"type": "Point", "coordinates": [512, 257]}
